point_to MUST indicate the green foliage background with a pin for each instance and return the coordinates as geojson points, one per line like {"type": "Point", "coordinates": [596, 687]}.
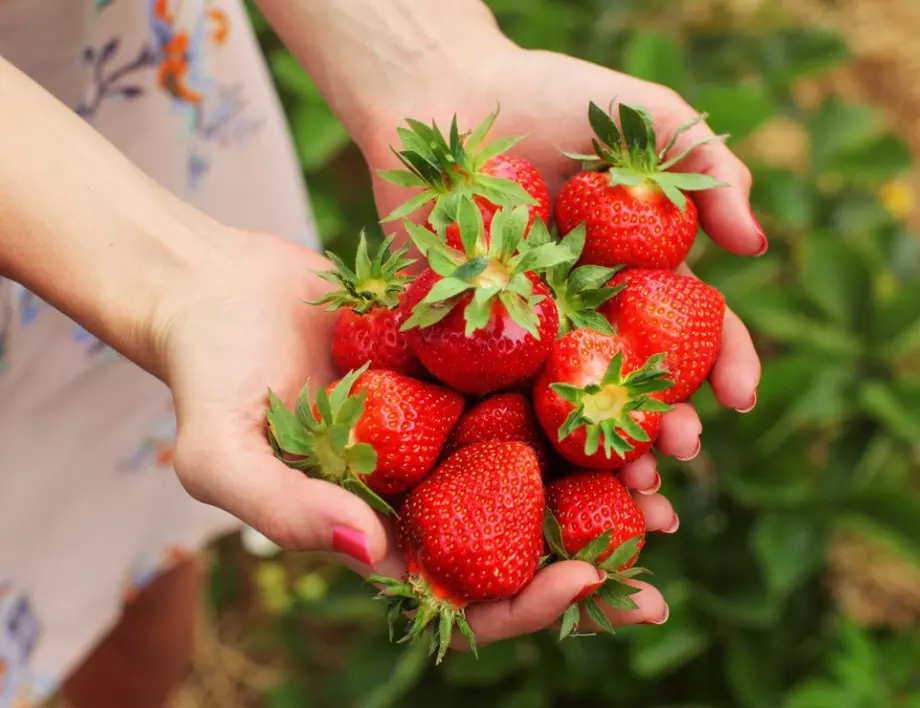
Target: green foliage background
{"type": "Point", "coordinates": [831, 446]}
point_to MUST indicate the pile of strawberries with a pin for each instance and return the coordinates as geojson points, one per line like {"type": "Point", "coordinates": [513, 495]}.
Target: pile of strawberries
{"type": "Point", "coordinates": [488, 399]}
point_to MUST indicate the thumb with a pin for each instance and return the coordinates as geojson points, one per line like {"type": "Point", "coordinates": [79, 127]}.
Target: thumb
{"type": "Point", "coordinates": [292, 510]}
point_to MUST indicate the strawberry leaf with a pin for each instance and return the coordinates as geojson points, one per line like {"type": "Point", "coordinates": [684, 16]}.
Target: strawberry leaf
{"type": "Point", "coordinates": [480, 131]}
{"type": "Point", "coordinates": [361, 458]}
{"type": "Point", "coordinates": [612, 595]}
{"type": "Point", "coordinates": [401, 178]}
{"type": "Point", "coordinates": [496, 148]}
{"type": "Point", "coordinates": [469, 221]}
{"type": "Point", "coordinates": [285, 429]}
{"type": "Point", "coordinates": [569, 623]}
{"type": "Point", "coordinates": [552, 531]}
{"type": "Point", "coordinates": [521, 314]}
{"type": "Point", "coordinates": [590, 552]}
{"type": "Point", "coordinates": [479, 310]}
{"type": "Point", "coordinates": [639, 134]}
{"type": "Point", "coordinates": [414, 204]}
{"type": "Point", "coordinates": [587, 319]}
{"type": "Point", "coordinates": [465, 630]}
{"type": "Point", "coordinates": [622, 554]}
{"type": "Point", "coordinates": [357, 487]}
{"type": "Point", "coordinates": [597, 614]}
{"type": "Point", "coordinates": [447, 288]}
{"type": "Point", "coordinates": [604, 127]}
{"type": "Point", "coordinates": [507, 231]}
{"type": "Point", "coordinates": [501, 191]}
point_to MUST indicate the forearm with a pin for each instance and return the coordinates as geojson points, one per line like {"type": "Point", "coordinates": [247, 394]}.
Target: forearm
{"type": "Point", "coordinates": [83, 228]}
{"type": "Point", "coordinates": [379, 56]}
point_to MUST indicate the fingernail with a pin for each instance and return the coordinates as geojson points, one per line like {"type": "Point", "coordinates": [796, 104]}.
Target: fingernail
{"type": "Point", "coordinates": [662, 619]}
{"type": "Point", "coordinates": [696, 451]}
{"type": "Point", "coordinates": [654, 488]}
{"type": "Point", "coordinates": [591, 587]}
{"type": "Point", "coordinates": [749, 408]}
{"type": "Point", "coordinates": [351, 543]}
{"type": "Point", "coordinates": [758, 229]}
{"type": "Point", "coordinates": [675, 524]}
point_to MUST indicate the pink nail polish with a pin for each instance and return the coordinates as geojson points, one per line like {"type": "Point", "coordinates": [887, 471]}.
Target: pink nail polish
{"type": "Point", "coordinates": [675, 524]}
{"type": "Point", "coordinates": [758, 229]}
{"type": "Point", "coordinates": [662, 620]}
{"type": "Point", "coordinates": [749, 408]}
{"type": "Point", "coordinates": [351, 543]}
{"type": "Point", "coordinates": [696, 451]}
{"type": "Point", "coordinates": [654, 488]}
{"type": "Point", "coordinates": [589, 589]}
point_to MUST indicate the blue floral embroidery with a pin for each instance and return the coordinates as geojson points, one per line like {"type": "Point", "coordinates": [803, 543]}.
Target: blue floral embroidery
{"type": "Point", "coordinates": [19, 635]}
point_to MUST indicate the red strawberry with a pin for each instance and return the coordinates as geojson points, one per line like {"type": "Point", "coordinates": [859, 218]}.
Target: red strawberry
{"type": "Point", "coordinates": [593, 400]}
{"type": "Point", "coordinates": [659, 312]}
{"type": "Point", "coordinates": [635, 210]}
{"type": "Point", "coordinates": [591, 517]}
{"type": "Point", "coordinates": [461, 165]}
{"type": "Point", "coordinates": [483, 321]}
{"type": "Point", "coordinates": [373, 432]}
{"type": "Point", "coordinates": [370, 297]}
{"type": "Point", "coordinates": [471, 532]}
{"type": "Point", "coordinates": [505, 417]}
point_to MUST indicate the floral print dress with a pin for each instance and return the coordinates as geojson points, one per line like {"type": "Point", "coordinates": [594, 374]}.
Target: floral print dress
{"type": "Point", "coordinates": [90, 509]}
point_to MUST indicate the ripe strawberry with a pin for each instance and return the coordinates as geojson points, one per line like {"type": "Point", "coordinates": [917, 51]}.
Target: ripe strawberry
{"type": "Point", "coordinates": [659, 312]}
{"type": "Point", "coordinates": [483, 320]}
{"type": "Point", "coordinates": [373, 432]}
{"type": "Point", "coordinates": [593, 400]}
{"type": "Point", "coordinates": [471, 532]}
{"type": "Point", "coordinates": [505, 417]}
{"type": "Point", "coordinates": [370, 297]}
{"type": "Point", "coordinates": [461, 165]}
{"type": "Point", "coordinates": [591, 517]}
{"type": "Point", "coordinates": [635, 210]}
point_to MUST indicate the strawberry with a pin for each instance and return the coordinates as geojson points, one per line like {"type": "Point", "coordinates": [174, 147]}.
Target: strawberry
{"type": "Point", "coordinates": [635, 210]}
{"type": "Point", "coordinates": [373, 432]}
{"type": "Point", "coordinates": [446, 169]}
{"type": "Point", "coordinates": [483, 320]}
{"type": "Point", "coordinates": [471, 532]}
{"type": "Point", "coordinates": [594, 401]}
{"type": "Point", "coordinates": [591, 517]}
{"type": "Point", "coordinates": [659, 312]}
{"type": "Point", "coordinates": [505, 417]}
{"type": "Point", "coordinates": [370, 298]}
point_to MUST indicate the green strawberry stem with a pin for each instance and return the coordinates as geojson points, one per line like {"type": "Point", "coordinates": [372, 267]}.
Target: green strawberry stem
{"type": "Point", "coordinates": [631, 157]}
{"type": "Point", "coordinates": [415, 594]}
{"type": "Point", "coordinates": [324, 445]}
{"type": "Point", "coordinates": [449, 168]}
{"type": "Point", "coordinates": [493, 270]}
{"type": "Point", "coordinates": [376, 281]}
{"type": "Point", "coordinates": [613, 592]}
{"type": "Point", "coordinates": [580, 291]}
{"type": "Point", "coordinates": [605, 408]}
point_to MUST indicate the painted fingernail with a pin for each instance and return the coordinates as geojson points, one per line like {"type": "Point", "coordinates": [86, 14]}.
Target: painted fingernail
{"type": "Point", "coordinates": [758, 229]}
{"type": "Point", "coordinates": [351, 543]}
{"type": "Point", "coordinates": [661, 620]}
{"type": "Point", "coordinates": [654, 488]}
{"type": "Point", "coordinates": [675, 524]}
{"type": "Point", "coordinates": [696, 451]}
{"type": "Point", "coordinates": [750, 407]}
{"type": "Point", "coordinates": [591, 587]}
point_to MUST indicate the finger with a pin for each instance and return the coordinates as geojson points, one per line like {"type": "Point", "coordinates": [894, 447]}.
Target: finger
{"type": "Point", "coordinates": [658, 512]}
{"type": "Point", "coordinates": [536, 607]}
{"type": "Point", "coordinates": [242, 477]}
{"type": "Point", "coordinates": [651, 609]}
{"type": "Point", "coordinates": [725, 212]}
{"type": "Point", "coordinates": [642, 475]}
{"type": "Point", "coordinates": [680, 432]}
{"type": "Point", "coordinates": [736, 373]}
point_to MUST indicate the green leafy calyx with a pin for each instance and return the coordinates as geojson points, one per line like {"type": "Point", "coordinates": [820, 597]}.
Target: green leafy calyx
{"type": "Point", "coordinates": [415, 595]}
{"type": "Point", "coordinates": [605, 409]}
{"type": "Point", "coordinates": [325, 444]}
{"type": "Point", "coordinates": [375, 281]}
{"type": "Point", "coordinates": [630, 156]}
{"type": "Point", "coordinates": [447, 168]}
{"type": "Point", "coordinates": [613, 591]}
{"type": "Point", "coordinates": [493, 270]}
{"type": "Point", "coordinates": [580, 291]}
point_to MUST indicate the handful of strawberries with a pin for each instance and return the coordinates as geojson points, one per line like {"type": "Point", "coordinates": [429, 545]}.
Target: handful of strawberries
{"type": "Point", "coordinates": [488, 400]}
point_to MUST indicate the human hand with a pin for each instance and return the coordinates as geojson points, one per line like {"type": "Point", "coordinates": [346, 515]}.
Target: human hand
{"type": "Point", "coordinates": [555, 121]}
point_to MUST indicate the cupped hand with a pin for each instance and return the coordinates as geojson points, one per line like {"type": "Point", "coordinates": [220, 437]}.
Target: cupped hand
{"type": "Point", "coordinates": [242, 327]}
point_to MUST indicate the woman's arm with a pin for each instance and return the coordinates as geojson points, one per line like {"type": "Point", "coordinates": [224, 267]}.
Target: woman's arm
{"type": "Point", "coordinates": [88, 231]}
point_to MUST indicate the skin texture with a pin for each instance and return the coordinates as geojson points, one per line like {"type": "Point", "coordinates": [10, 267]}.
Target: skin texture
{"type": "Point", "coordinates": [659, 311]}
{"type": "Point", "coordinates": [373, 337]}
{"type": "Point", "coordinates": [580, 358]}
{"type": "Point", "coordinates": [407, 422]}
{"type": "Point", "coordinates": [474, 529]}
{"type": "Point", "coordinates": [525, 174]}
{"type": "Point", "coordinates": [635, 227]}
{"type": "Point", "coordinates": [588, 503]}
{"type": "Point", "coordinates": [492, 358]}
{"type": "Point", "coordinates": [504, 417]}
